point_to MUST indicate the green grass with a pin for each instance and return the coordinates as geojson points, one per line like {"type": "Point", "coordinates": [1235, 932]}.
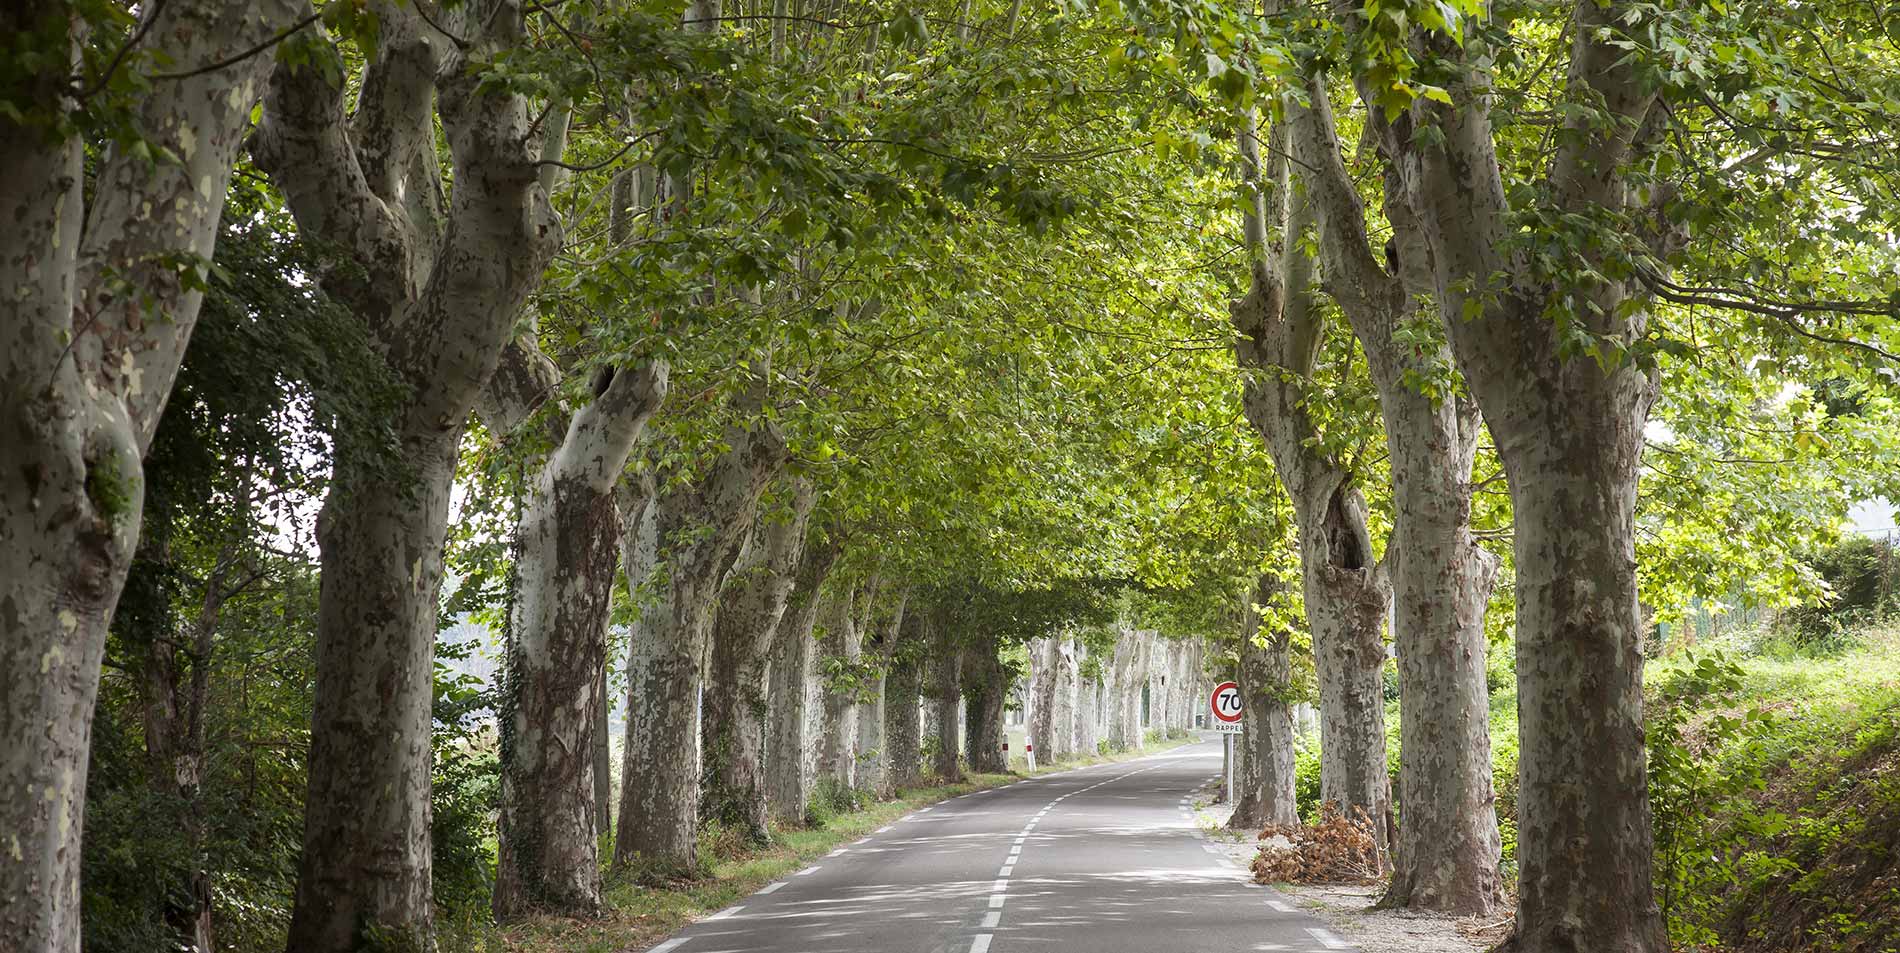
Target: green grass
{"type": "Point", "coordinates": [639, 916]}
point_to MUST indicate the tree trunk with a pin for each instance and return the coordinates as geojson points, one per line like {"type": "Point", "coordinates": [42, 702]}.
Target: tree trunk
{"type": "Point", "coordinates": [440, 293]}
{"type": "Point", "coordinates": [946, 695]}
{"type": "Point", "coordinates": [1088, 706]}
{"type": "Point", "coordinates": [881, 631]}
{"type": "Point", "coordinates": [902, 724]}
{"type": "Point", "coordinates": [789, 763]}
{"type": "Point", "coordinates": [1265, 744]}
{"type": "Point", "coordinates": [366, 860]}
{"type": "Point", "coordinates": [677, 555]}
{"type": "Point", "coordinates": [1063, 711]}
{"type": "Point", "coordinates": [562, 592]}
{"type": "Point", "coordinates": [173, 706]}
{"type": "Point", "coordinates": [603, 757]}
{"type": "Point", "coordinates": [1044, 675]}
{"type": "Point", "coordinates": [1569, 431]}
{"type": "Point", "coordinates": [985, 691]}
{"type": "Point", "coordinates": [838, 651]}
{"type": "Point", "coordinates": [97, 315]}
{"type": "Point", "coordinates": [1448, 852]}
{"type": "Point", "coordinates": [736, 705]}
{"type": "Point", "coordinates": [872, 778]}
{"type": "Point", "coordinates": [1346, 593]}
{"type": "Point", "coordinates": [1583, 809]}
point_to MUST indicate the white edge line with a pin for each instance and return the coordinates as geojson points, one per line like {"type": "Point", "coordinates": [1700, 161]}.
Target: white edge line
{"type": "Point", "coordinates": [668, 945]}
{"type": "Point", "coordinates": [981, 944]}
{"type": "Point", "coordinates": [771, 887]}
{"type": "Point", "coordinates": [807, 871]}
{"type": "Point", "coordinates": [1328, 939]}
{"type": "Point", "coordinates": [729, 911]}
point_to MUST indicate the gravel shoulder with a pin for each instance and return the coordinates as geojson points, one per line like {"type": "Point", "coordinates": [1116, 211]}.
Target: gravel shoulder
{"type": "Point", "coordinates": [1348, 907]}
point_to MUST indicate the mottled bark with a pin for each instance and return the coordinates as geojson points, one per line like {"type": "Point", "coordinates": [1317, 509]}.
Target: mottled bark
{"type": "Point", "coordinates": [1044, 675]}
{"type": "Point", "coordinates": [790, 762]}
{"type": "Point", "coordinates": [1088, 705]}
{"type": "Point", "coordinates": [95, 323]}
{"type": "Point", "coordinates": [1447, 855]}
{"type": "Point", "coordinates": [946, 697]}
{"type": "Point", "coordinates": [1569, 431]}
{"type": "Point", "coordinates": [603, 757]}
{"type": "Point", "coordinates": [566, 551]}
{"type": "Point", "coordinates": [751, 609]}
{"type": "Point", "coordinates": [1263, 781]}
{"type": "Point", "coordinates": [439, 289]}
{"type": "Point", "coordinates": [985, 690]}
{"type": "Point", "coordinates": [1127, 674]}
{"type": "Point", "coordinates": [880, 628]}
{"type": "Point", "coordinates": [838, 651]}
{"type": "Point", "coordinates": [1345, 592]}
{"type": "Point", "coordinates": [903, 724]}
{"type": "Point", "coordinates": [686, 539]}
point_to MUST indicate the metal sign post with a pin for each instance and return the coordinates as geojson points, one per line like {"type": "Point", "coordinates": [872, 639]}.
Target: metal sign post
{"type": "Point", "coordinates": [1226, 707]}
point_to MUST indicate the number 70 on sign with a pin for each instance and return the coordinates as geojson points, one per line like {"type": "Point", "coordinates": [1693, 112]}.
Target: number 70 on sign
{"type": "Point", "coordinates": [1226, 707]}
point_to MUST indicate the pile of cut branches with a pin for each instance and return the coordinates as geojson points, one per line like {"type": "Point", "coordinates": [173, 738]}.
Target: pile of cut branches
{"type": "Point", "coordinates": [1339, 849]}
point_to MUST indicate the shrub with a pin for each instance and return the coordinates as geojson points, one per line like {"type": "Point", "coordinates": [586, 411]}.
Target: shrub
{"type": "Point", "coordinates": [1306, 783]}
{"type": "Point", "coordinates": [1863, 575]}
{"type": "Point", "coordinates": [1695, 719]}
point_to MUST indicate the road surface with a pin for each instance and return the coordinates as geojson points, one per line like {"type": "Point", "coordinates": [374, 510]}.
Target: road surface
{"type": "Point", "coordinates": [1099, 860]}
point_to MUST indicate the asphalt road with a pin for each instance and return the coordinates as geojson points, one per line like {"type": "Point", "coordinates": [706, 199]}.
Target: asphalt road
{"type": "Point", "coordinates": [1099, 860]}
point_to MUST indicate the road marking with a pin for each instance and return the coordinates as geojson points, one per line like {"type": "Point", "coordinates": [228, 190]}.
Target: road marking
{"type": "Point", "coordinates": [1013, 851]}
{"type": "Point", "coordinates": [1282, 907]}
{"type": "Point", "coordinates": [999, 886]}
{"type": "Point", "coordinates": [1328, 939]}
{"type": "Point", "coordinates": [981, 944]}
{"type": "Point", "coordinates": [773, 887]}
{"type": "Point", "coordinates": [992, 920]}
{"type": "Point", "coordinates": [729, 911]}
{"type": "Point", "coordinates": [668, 945]}
{"type": "Point", "coordinates": [836, 852]}
{"type": "Point", "coordinates": [807, 871]}
{"type": "Point", "coordinates": [1006, 870]}
{"type": "Point", "coordinates": [886, 829]}
{"type": "Point", "coordinates": [996, 900]}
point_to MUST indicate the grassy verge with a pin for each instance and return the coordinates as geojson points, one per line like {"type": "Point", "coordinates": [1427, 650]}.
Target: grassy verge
{"type": "Point", "coordinates": [640, 916]}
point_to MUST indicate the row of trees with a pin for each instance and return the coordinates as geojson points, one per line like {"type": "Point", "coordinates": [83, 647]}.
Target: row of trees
{"type": "Point", "coordinates": [828, 345]}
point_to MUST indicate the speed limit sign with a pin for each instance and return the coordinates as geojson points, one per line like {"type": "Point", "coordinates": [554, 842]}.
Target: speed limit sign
{"type": "Point", "coordinates": [1226, 706]}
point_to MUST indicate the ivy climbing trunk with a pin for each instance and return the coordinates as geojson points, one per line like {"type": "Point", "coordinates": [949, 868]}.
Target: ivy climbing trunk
{"type": "Point", "coordinates": [97, 316]}
{"type": "Point", "coordinates": [1263, 780]}
{"type": "Point", "coordinates": [689, 532]}
{"type": "Point", "coordinates": [946, 695]}
{"type": "Point", "coordinates": [438, 283]}
{"type": "Point", "coordinates": [880, 642]}
{"type": "Point", "coordinates": [985, 689]}
{"type": "Point", "coordinates": [788, 762]}
{"type": "Point", "coordinates": [750, 612]}
{"type": "Point", "coordinates": [903, 723]}
{"type": "Point", "coordinates": [561, 592]}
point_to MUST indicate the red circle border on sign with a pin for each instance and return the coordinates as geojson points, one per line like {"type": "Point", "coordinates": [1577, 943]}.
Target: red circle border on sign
{"type": "Point", "coordinates": [1218, 689]}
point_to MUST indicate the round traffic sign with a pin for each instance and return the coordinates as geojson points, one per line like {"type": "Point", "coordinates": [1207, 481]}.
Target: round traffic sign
{"type": "Point", "coordinates": [1226, 702]}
